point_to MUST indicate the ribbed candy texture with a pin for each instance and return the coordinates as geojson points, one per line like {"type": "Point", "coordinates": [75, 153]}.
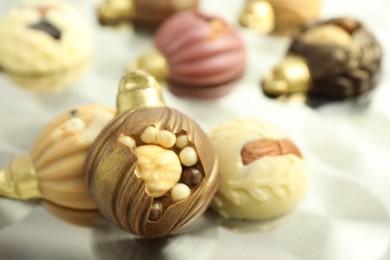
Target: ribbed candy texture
{"type": "Point", "coordinates": [203, 52]}
{"type": "Point", "coordinates": [60, 152]}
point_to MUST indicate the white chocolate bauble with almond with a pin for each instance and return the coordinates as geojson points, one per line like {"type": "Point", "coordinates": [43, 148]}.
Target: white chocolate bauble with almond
{"type": "Point", "coordinates": [263, 174]}
{"type": "Point", "coordinates": [60, 152]}
{"type": "Point", "coordinates": [40, 37]}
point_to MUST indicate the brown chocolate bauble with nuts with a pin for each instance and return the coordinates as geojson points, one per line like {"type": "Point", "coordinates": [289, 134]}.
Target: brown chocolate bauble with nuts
{"type": "Point", "coordinates": [337, 58]}
{"type": "Point", "coordinates": [152, 169]}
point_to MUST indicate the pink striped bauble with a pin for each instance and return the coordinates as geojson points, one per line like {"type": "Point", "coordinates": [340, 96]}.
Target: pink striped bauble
{"type": "Point", "coordinates": [205, 54]}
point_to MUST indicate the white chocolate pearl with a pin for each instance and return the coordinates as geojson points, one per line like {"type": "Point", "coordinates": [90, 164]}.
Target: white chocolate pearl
{"type": "Point", "coordinates": [181, 141]}
{"type": "Point", "coordinates": [75, 125]}
{"type": "Point", "coordinates": [127, 140]}
{"type": "Point", "coordinates": [188, 156]}
{"type": "Point", "coordinates": [148, 136]}
{"type": "Point", "coordinates": [180, 192]}
{"type": "Point", "coordinates": [166, 138]}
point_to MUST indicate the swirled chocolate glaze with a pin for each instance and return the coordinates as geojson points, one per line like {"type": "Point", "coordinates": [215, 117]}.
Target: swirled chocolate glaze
{"type": "Point", "coordinates": [140, 191]}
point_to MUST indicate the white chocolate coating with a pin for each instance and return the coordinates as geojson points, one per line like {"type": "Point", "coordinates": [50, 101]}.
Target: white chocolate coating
{"type": "Point", "coordinates": [28, 51]}
{"type": "Point", "coordinates": [166, 138]}
{"type": "Point", "coordinates": [265, 188]}
{"type": "Point", "coordinates": [128, 141]}
{"type": "Point", "coordinates": [181, 141]}
{"type": "Point", "coordinates": [188, 156]}
{"type": "Point", "coordinates": [180, 192]}
{"type": "Point", "coordinates": [149, 135]}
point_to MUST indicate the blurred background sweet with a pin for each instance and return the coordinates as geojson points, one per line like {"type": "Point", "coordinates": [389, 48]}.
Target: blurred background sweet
{"type": "Point", "coordinates": [146, 14]}
{"type": "Point", "coordinates": [279, 17]}
{"type": "Point", "coordinates": [45, 45]}
{"type": "Point", "coordinates": [333, 59]}
{"type": "Point", "coordinates": [200, 55]}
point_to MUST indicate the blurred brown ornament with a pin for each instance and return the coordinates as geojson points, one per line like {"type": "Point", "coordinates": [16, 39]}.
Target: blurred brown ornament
{"type": "Point", "coordinates": [55, 170]}
{"type": "Point", "coordinates": [142, 13]}
{"type": "Point", "coordinates": [337, 59]}
{"type": "Point", "coordinates": [134, 168]}
{"type": "Point", "coordinates": [200, 55]}
{"type": "Point", "coordinates": [281, 17]}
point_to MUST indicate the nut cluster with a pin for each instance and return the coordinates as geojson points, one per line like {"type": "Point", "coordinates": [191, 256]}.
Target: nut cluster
{"type": "Point", "coordinates": [167, 163]}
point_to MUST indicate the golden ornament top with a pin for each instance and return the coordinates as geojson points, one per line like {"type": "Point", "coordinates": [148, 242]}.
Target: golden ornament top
{"type": "Point", "coordinates": [138, 89]}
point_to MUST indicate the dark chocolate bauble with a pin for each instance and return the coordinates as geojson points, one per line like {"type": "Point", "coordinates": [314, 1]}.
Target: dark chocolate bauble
{"type": "Point", "coordinates": [339, 70]}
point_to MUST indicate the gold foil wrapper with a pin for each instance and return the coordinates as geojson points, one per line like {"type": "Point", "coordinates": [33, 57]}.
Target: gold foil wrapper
{"type": "Point", "coordinates": [138, 89]}
{"type": "Point", "coordinates": [19, 180]}
{"type": "Point", "coordinates": [116, 11]}
{"type": "Point", "coordinates": [153, 62]}
{"type": "Point", "coordinates": [258, 15]}
{"type": "Point", "coordinates": [289, 77]}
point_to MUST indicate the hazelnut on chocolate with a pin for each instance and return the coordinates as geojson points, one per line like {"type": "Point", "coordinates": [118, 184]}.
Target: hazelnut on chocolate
{"type": "Point", "coordinates": [263, 173]}
{"type": "Point", "coordinates": [137, 168]}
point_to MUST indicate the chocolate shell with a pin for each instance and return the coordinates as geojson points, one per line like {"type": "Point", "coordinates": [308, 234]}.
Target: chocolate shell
{"type": "Point", "coordinates": [123, 197]}
{"type": "Point", "coordinates": [343, 56]}
{"type": "Point", "coordinates": [263, 174]}
{"type": "Point", "coordinates": [55, 168]}
{"type": "Point", "coordinates": [152, 169]}
{"type": "Point", "coordinates": [205, 54]}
